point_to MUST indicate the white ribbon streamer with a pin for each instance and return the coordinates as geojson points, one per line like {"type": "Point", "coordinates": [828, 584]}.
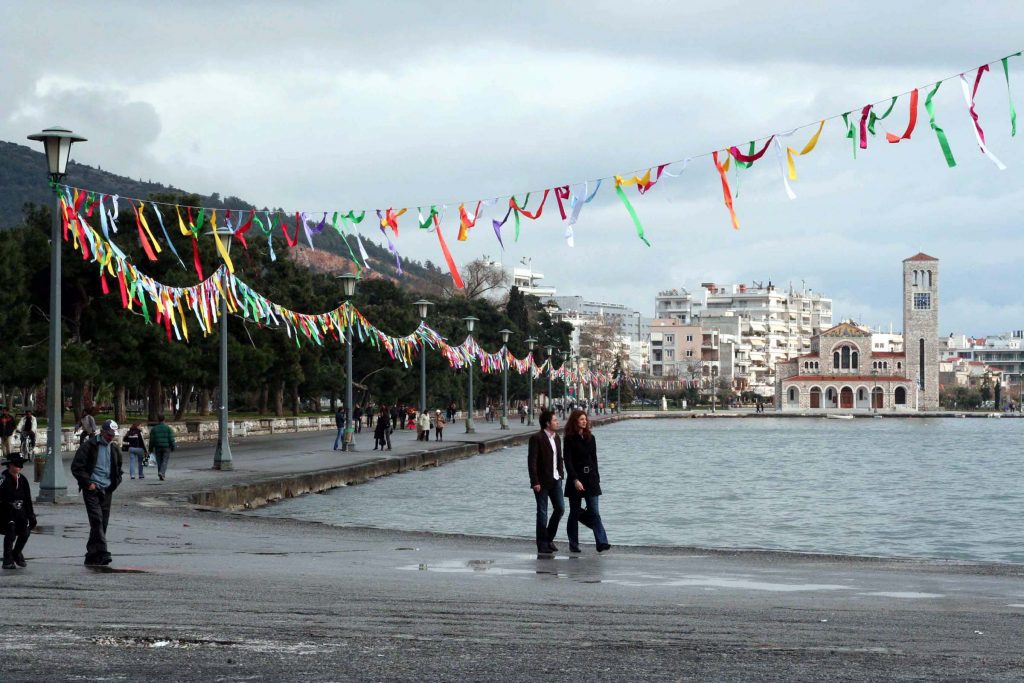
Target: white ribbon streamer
{"type": "Point", "coordinates": [974, 125]}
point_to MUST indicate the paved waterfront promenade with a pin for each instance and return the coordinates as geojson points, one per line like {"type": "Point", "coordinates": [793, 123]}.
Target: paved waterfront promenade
{"type": "Point", "coordinates": [199, 594]}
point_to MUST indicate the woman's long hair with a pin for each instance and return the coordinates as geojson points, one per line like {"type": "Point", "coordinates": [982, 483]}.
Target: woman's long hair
{"type": "Point", "coordinates": [572, 428]}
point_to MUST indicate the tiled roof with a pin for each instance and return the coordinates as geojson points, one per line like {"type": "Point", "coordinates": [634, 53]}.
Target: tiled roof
{"type": "Point", "coordinates": [888, 354]}
{"type": "Point", "coordinates": [920, 256]}
{"type": "Point", "coordinates": [845, 329]}
{"type": "Point", "coordinates": [845, 378]}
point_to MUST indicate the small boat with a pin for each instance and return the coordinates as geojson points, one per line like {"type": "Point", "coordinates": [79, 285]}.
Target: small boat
{"type": "Point", "coordinates": [839, 417]}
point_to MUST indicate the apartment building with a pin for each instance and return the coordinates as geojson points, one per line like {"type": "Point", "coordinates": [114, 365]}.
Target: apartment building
{"type": "Point", "coordinates": [676, 349]}
{"type": "Point", "coordinates": [1004, 352]}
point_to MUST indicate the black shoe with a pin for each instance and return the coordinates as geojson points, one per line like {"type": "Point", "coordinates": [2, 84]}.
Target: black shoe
{"type": "Point", "coordinates": [19, 560]}
{"type": "Point", "coordinates": [575, 549]}
{"type": "Point", "coordinates": [552, 546]}
{"type": "Point", "coordinates": [544, 550]}
{"type": "Point", "coordinates": [161, 477]}
{"type": "Point", "coordinates": [601, 547]}
{"type": "Point", "coordinates": [93, 562]}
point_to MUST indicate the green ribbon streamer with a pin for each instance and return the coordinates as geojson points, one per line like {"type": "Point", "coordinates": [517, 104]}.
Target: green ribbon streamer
{"type": "Point", "coordinates": [939, 133]}
{"type": "Point", "coordinates": [200, 219]}
{"type": "Point", "coordinates": [526, 203]}
{"type": "Point", "coordinates": [632, 214]}
{"type": "Point", "coordinates": [425, 225]}
{"type": "Point", "coordinates": [334, 224]}
{"type": "Point", "coordinates": [851, 132]}
{"type": "Point", "coordinates": [1013, 112]}
{"type": "Point", "coordinates": [872, 117]}
{"type": "Point", "coordinates": [750, 153]}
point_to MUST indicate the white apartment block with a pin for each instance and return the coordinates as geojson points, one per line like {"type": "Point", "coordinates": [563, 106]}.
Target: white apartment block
{"type": "Point", "coordinates": [1004, 352]}
{"type": "Point", "coordinates": [758, 325]}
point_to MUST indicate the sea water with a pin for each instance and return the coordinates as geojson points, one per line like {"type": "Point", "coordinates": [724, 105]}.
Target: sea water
{"type": "Point", "coordinates": [930, 488]}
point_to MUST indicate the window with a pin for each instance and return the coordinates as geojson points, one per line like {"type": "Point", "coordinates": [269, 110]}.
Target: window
{"type": "Point", "coordinates": [899, 366]}
{"type": "Point", "coordinates": [689, 337]}
{"type": "Point", "coordinates": [922, 301]}
{"type": "Point", "coordinates": [689, 353]}
{"type": "Point", "coordinates": [670, 338]}
{"type": "Point", "coordinates": [845, 357]}
{"type": "Point", "coordinates": [835, 360]}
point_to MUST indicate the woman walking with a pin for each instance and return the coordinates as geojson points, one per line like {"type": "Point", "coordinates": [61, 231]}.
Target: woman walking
{"type": "Point", "coordinates": [136, 445]}
{"type": "Point", "coordinates": [583, 482]}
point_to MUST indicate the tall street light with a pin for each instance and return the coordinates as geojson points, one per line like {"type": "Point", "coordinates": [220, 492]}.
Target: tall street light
{"type": "Point", "coordinates": [222, 455]}
{"type": "Point", "coordinates": [504, 361]}
{"type": "Point", "coordinates": [348, 288]}
{"type": "Point", "coordinates": [529, 406]}
{"type": "Point", "coordinates": [57, 142]}
{"type": "Point", "coordinates": [565, 382]}
{"type": "Point", "coordinates": [422, 306]}
{"type": "Point", "coordinates": [470, 428]}
{"type": "Point", "coordinates": [551, 368]}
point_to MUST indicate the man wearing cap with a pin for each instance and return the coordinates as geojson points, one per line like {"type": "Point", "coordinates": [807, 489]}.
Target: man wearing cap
{"type": "Point", "coordinates": [17, 519]}
{"type": "Point", "coordinates": [7, 423]}
{"type": "Point", "coordinates": [97, 467]}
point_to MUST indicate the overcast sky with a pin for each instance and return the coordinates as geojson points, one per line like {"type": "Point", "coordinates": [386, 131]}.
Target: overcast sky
{"type": "Point", "coordinates": [317, 106]}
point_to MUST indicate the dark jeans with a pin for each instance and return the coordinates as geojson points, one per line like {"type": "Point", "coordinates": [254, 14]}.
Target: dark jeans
{"type": "Point", "coordinates": [590, 517]}
{"type": "Point", "coordinates": [16, 535]}
{"type": "Point", "coordinates": [163, 456]}
{"type": "Point", "coordinates": [548, 528]}
{"type": "Point", "coordinates": [97, 507]}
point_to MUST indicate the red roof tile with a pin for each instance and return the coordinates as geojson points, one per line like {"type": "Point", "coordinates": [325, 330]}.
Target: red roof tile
{"type": "Point", "coordinates": [920, 256]}
{"type": "Point", "coordinates": [844, 378]}
{"type": "Point", "coordinates": [888, 354]}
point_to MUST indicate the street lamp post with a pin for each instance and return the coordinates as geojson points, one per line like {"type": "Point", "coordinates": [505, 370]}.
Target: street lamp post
{"type": "Point", "coordinates": [57, 142]}
{"type": "Point", "coordinates": [529, 406]}
{"type": "Point", "coordinates": [470, 428]}
{"type": "Point", "coordinates": [551, 368]}
{"type": "Point", "coordinates": [222, 459]}
{"type": "Point", "coordinates": [422, 306]}
{"type": "Point", "coordinates": [348, 288]}
{"type": "Point", "coordinates": [504, 389]}
{"type": "Point", "coordinates": [565, 382]}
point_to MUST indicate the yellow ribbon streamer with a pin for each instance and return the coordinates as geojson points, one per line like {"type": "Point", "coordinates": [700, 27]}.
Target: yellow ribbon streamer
{"type": "Point", "coordinates": [808, 148]}
{"type": "Point", "coordinates": [142, 218]}
{"type": "Point", "coordinates": [637, 180]}
{"type": "Point", "coordinates": [184, 325]}
{"type": "Point", "coordinates": [220, 245]}
{"type": "Point", "coordinates": [181, 224]}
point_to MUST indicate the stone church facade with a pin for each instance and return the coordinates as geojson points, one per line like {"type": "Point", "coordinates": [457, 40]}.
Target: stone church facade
{"type": "Point", "coordinates": [843, 373]}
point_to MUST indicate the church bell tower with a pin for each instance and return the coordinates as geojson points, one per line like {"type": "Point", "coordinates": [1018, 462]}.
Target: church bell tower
{"type": "Point", "coordinates": [921, 328]}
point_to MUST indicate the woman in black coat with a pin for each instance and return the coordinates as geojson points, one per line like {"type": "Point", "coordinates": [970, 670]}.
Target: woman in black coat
{"type": "Point", "coordinates": [582, 482]}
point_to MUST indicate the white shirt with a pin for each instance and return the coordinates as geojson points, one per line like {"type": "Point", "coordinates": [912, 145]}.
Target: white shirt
{"type": "Point", "coordinates": [554, 454]}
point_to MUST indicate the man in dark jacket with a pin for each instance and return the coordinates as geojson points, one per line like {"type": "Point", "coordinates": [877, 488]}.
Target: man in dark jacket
{"type": "Point", "coordinates": [161, 440]}
{"type": "Point", "coordinates": [339, 422]}
{"type": "Point", "coordinates": [17, 519]}
{"type": "Point", "coordinates": [97, 468]}
{"type": "Point", "coordinates": [547, 472]}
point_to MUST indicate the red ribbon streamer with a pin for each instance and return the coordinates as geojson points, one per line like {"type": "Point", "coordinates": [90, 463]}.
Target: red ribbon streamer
{"type": "Point", "coordinates": [142, 236]}
{"type": "Point", "coordinates": [465, 223]}
{"type": "Point", "coordinates": [289, 240]}
{"type": "Point", "coordinates": [738, 155]}
{"type": "Point", "coordinates": [532, 216]}
{"type": "Point", "coordinates": [895, 139]}
{"type": "Point", "coordinates": [642, 189]}
{"type": "Point", "coordinates": [123, 288]}
{"type": "Point", "coordinates": [726, 191]}
{"type": "Point", "coordinates": [561, 194]}
{"type": "Point", "coordinates": [456, 278]}
{"type": "Point", "coordinates": [195, 258]}
{"type": "Point", "coordinates": [864, 126]}
{"type": "Point", "coordinates": [974, 115]}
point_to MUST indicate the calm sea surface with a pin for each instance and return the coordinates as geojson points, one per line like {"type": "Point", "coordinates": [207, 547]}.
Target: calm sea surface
{"type": "Point", "coordinates": [949, 488]}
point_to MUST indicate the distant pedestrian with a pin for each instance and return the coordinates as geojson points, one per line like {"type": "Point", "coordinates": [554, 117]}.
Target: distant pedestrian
{"type": "Point", "coordinates": [339, 421]}
{"type": "Point", "coordinates": [423, 427]}
{"type": "Point", "coordinates": [380, 432]}
{"type": "Point", "coordinates": [87, 424]}
{"type": "Point", "coordinates": [161, 440]}
{"type": "Point", "coordinates": [582, 482]}
{"type": "Point", "coordinates": [17, 518]}
{"type": "Point", "coordinates": [97, 468]}
{"type": "Point", "coordinates": [522, 414]}
{"type": "Point", "coordinates": [7, 425]}
{"type": "Point", "coordinates": [396, 418]}
{"type": "Point", "coordinates": [357, 416]}
{"type": "Point", "coordinates": [438, 426]}
{"type": "Point", "coordinates": [547, 471]}
{"type": "Point", "coordinates": [135, 442]}
{"type": "Point", "coordinates": [27, 433]}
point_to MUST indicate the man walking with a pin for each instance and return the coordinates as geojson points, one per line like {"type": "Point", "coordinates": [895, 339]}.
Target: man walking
{"type": "Point", "coordinates": [161, 440]}
{"type": "Point", "coordinates": [7, 423]}
{"type": "Point", "coordinates": [97, 468]}
{"type": "Point", "coordinates": [339, 422]}
{"type": "Point", "coordinates": [547, 472]}
{"type": "Point", "coordinates": [17, 519]}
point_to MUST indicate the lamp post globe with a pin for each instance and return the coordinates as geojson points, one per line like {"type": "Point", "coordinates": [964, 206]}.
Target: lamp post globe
{"type": "Point", "coordinates": [348, 289]}
{"type": "Point", "coordinates": [422, 308]}
{"type": "Point", "coordinates": [57, 143]}
{"type": "Point", "coordinates": [470, 427]}
{"type": "Point", "coordinates": [505, 334]}
{"type": "Point", "coordinates": [530, 342]}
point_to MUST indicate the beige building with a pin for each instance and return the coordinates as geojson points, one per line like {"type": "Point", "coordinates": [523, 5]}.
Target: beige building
{"type": "Point", "coordinates": [843, 371]}
{"type": "Point", "coordinates": [676, 349]}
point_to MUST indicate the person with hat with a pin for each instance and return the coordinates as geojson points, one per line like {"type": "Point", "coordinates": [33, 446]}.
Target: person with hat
{"type": "Point", "coordinates": [17, 518]}
{"type": "Point", "coordinates": [97, 468]}
{"type": "Point", "coordinates": [7, 423]}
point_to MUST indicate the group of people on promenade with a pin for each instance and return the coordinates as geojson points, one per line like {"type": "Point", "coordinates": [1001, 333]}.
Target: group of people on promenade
{"type": "Point", "coordinates": [549, 467]}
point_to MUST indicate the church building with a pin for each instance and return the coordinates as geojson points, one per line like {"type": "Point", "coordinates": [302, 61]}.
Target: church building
{"type": "Point", "coordinates": [842, 371]}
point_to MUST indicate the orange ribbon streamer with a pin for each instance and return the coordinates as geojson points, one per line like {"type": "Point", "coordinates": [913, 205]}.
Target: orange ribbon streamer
{"type": "Point", "coordinates": [464, 221]}
{"type": "Point", "coordinates": [894, 139]}
{"type": "Point", "coordinates": [456, 278]}
{"type": "Point", "coordinates": [722, 169]}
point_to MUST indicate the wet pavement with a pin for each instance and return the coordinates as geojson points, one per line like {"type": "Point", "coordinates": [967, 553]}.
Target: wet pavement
{"type": "Point", "coordinates": [203, 595]}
